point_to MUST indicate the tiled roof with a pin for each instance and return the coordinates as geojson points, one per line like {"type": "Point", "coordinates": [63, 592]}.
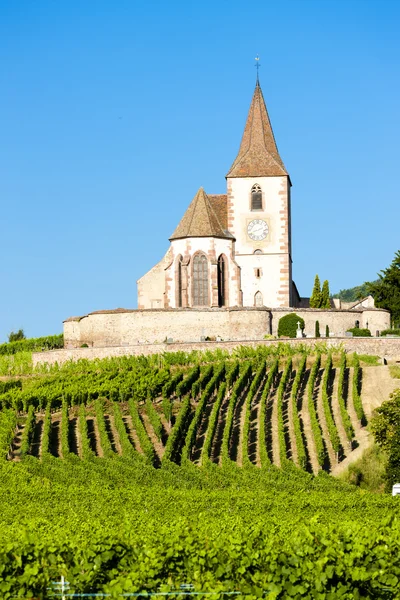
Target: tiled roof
{"type": "Point", "coordinates": [219, 203]}
{"type": "Point", "coordinates": [204, 218]}
{"type": "Point", "coordinates": [258, 154]}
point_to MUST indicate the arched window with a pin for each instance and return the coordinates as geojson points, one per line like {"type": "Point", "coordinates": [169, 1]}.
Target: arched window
{"type": "Point", "coordinates": [258, 299]}
{"type": "Point", "coordinates": [179, 282]}
{"type": "Point", "coordinates": [257, 251]}
{"type": "Point", "coordinates": [200, 280]}
{"type": "Point", "coordinates": [221, 281]}
{"type": "Point", "coordinates": [256, 197]}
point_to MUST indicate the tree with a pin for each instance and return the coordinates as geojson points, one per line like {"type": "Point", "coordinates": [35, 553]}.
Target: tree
{"type": "Point", "coordinates": [315, 300]}
{"type": "Point", "coordinates": [386, 431]}
{"type": "Point", "coordinates": [386, 291]}
{"type": "Point", "coordinates": [325, 295]}
{"type": "Point", "coordinates": [317, 332]}
{"type": "Point", "coordinates": [327, 331]}
{"type": "Point", "coordinates": [16, 336]}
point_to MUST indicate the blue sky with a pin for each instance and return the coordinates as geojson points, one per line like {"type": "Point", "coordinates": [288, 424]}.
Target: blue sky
{"type": "Point", "coordinates": [114, 113]}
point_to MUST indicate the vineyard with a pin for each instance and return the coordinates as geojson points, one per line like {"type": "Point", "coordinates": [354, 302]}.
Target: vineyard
{"type": "Point", "coordinates": [192, 472]}
{"type": "Point", "coordinates": [257, 410]}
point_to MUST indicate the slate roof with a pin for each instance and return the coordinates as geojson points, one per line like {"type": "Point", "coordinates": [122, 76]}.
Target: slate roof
{"type": "Point", "coordinates": [258, 154]}
{"type": "Point", "coordinates": [205, 217]}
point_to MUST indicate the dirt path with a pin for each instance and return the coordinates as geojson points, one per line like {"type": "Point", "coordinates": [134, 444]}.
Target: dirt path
{"type": "Point", "coordinates": [132, 433]}
{"type": "Point", "coordinates": [165, 423]}
{"type": "Point", "coordinates": [276, 459]}
{"type": "Point", "coordinates": [324, 427]}
{"type": "Point", "coordinates": [377, 385]}
{"type": "Point", "coordinates": [307, 430]}
{"type": "Point", "coordinates": [288, 421]}
{"type": "Point", "coordinates": [115, 436]}
{"type": "Point", "coordinates": [236, 441]}
{"type": "Point", "coordinates": [158, 447]}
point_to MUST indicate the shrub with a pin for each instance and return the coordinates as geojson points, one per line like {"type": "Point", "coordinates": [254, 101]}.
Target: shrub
{"type": "Point", "coordinates": [317, 332]}
{"type": "Point", "coordinates": [287, 325]}
{"type": "Point", "coordinates": [357, 332]}
{"type": "Point", "coordinates": [16, 336]}
{"type": "Point", "coordinates": [327, 331]}
{"type": "Point", "coordinates": [390, 332]}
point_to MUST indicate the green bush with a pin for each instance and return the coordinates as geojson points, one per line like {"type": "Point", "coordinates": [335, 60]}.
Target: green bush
{"type": "Point", "coordinates": [50, 342]}
{"type": "Point", "coordinates": [16, 336]}
{"type": "Point", "coordinates": [287, 325]}
{"type": "Point", "coordinates": [357, 332]}
{"type": "Point", "coordinates": [327, 331]}
{"type": "Point", "coordinates": [317, 331]}
{"type": "Point", "coordinates": [390, 332]}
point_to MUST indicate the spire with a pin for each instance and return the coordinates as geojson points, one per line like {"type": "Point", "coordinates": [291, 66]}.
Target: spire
{"type": "Point", "coordinates": [200, 220]}
{"type": "Point", "coordinates": [258, 154]}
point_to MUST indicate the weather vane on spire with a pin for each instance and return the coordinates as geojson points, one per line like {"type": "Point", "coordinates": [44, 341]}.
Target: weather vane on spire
{"type": "Point", "coordinates": [257, 65]}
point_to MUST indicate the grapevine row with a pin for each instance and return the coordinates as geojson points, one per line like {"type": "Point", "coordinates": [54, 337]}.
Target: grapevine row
{"type": "Point", "coordinates": [237, 389]}
{"type": "Point", "coordinates": [281, 427]}
{"type": "Point", "coordinates": [316, 429]}
{"type": "Point", "coordinates": [348, 427]}
{"type": "Point", "coordinates": [255, 384]}
{"type": "Point", "coordinates": [264, 458]}
{"type": "Point", "coordinates": [330, 423]}
{"type": "Point", "coordinates": [301, 451]}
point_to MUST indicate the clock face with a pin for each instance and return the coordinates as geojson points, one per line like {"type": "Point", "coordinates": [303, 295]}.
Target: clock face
{"type": "Point", "coordinates": [257, 229]}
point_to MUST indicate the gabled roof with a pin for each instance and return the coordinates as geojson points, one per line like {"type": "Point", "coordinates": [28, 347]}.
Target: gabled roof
{"type": "Point", "coordinates": [258, 154]}
{"type": "Point", "coordinates": [203, 220]}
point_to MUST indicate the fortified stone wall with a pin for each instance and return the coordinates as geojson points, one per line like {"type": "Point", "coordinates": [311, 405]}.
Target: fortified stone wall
{"type": "Point", "coordinates": [383, 347]}
{"type": "Point", "coordinates": [339, 321]}
{"type": "Point", "coordinates": [130, 327]}
{"type": "Point", "coordinates": [126, 328]}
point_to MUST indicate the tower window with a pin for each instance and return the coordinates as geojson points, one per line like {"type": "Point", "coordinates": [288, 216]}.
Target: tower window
{"type": "Point", "coordinates": [256, 197]}
{"type": "Point", "coordinates": [258, 273]}
{"type": "Point", "coordinates": [257, 252]}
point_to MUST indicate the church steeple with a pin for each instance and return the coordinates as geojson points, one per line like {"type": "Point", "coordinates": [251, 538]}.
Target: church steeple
{"type": "Point", "coordinates": [258, 154]}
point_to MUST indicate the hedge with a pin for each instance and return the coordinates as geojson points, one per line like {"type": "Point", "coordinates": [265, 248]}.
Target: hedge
{"type": "Point", "coordinates": [287, 325]}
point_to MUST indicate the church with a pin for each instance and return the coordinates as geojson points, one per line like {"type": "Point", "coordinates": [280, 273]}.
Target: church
{"type": "Point", "coordinates": [232, 249]}
{"type": "Point", "coordinates": [227, 274]}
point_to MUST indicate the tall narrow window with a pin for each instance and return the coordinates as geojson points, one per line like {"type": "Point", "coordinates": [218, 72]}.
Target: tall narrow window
{"type": "Point", "coordinates": [256, 197]}
{"type": "Point", "coordinates": [258, 299]}
{"type": "Point", "coordinates": [221, 281]}
{"type": "Point", "coordinates": [200, 280]}
{"type": "Point", "coordinates": [179, 283]}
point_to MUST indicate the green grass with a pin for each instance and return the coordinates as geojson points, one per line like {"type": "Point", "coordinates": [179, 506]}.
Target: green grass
{"type": "Point", "coordinates": [395, 371]}
{"type": "Point", "coordinates": [368, 473]}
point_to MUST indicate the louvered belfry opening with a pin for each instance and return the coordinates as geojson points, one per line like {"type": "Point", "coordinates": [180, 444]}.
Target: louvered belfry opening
{"type": "Point", "coordinates": [200, 280]}
{"type": "Point", "coordinates": [256, 197]}
{"type": "Point", "coordinates": [221, 281]}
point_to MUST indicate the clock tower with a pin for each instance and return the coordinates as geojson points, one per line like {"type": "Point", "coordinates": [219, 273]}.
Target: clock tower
{"type": "Point", "coordinates": [258, 205]}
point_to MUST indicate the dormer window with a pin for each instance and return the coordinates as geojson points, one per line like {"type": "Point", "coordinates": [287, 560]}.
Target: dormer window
{"type": "Point", "coordinates": [256, 197]}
